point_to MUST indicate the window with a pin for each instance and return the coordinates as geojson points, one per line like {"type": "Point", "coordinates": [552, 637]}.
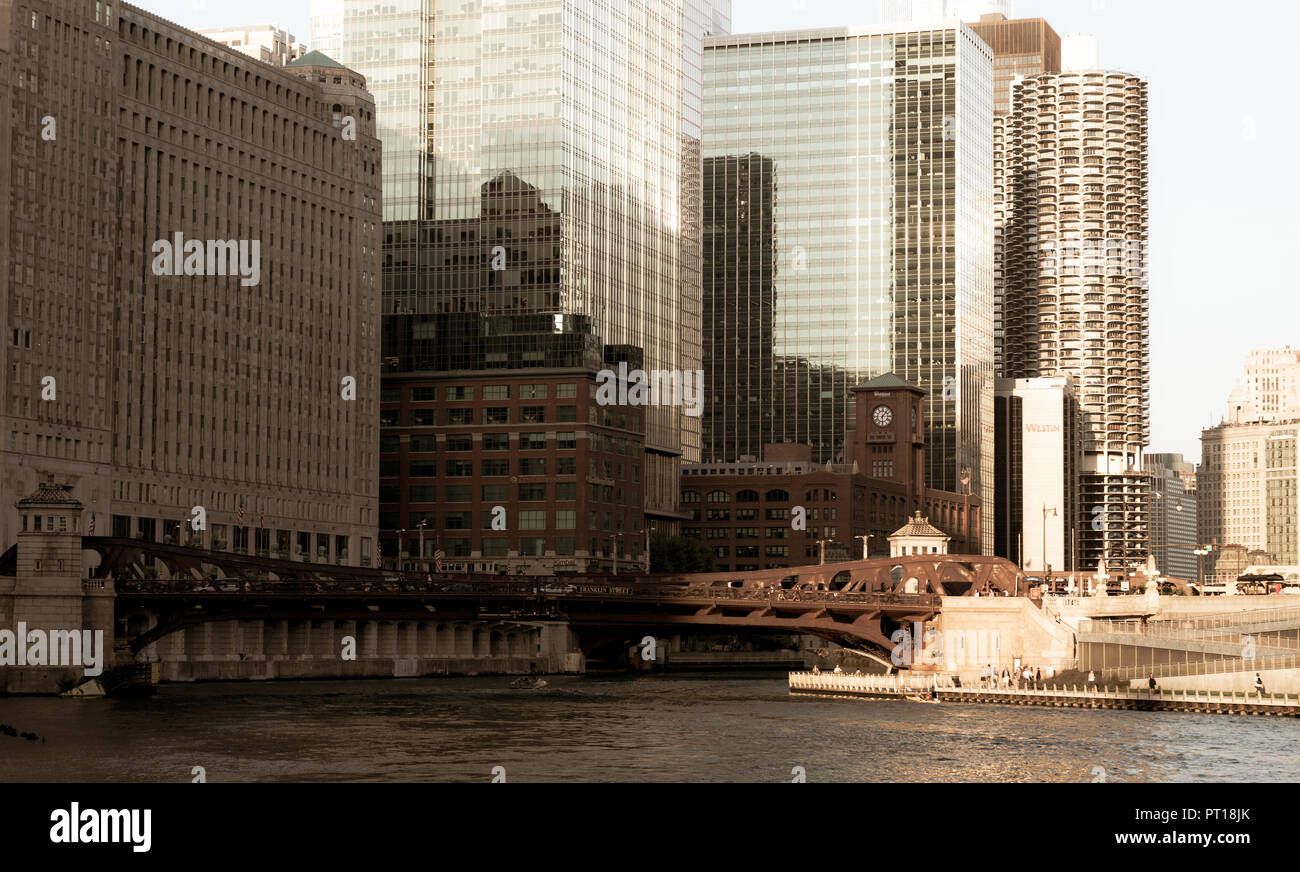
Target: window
{"type": "Point", "coordinates": [496, 546]}
{"type": "Point", "coordinates": [496, 493]}
{"type": "Point", "coordinates": [532, 415]}
{"type": "Point", "coordinates": [777, 550]}
{"type": "Point", "coordinates": [496, 442]}
{"type": "Point", "coordinates": [456, 521]}
{"type": "Point", "coordinates": [496, 415]}
{"type": "Point", "coordinates": [423, 468]}
{"type": "Point", "coordinates": [716, 533]}
{"type": "Point", "coordinates": [778, 496]}
{"type": "Point", "coordinates": [746, 550]}
{"type": "Point", "coordinates": [496, 467]}
{"type": "Point", "coordinates": [424, 443]}
{"type": "Point", "coordinates": [460, 442]}
{"type": "Point", "coordinates": [387, 494]}
{"type": "Point", "coordinates": [388, 444]}
{"type": "Point", "coordinates": [460, 416]}
{"type": "Point", "coordinates": [422, 493]}
{"type": "Point", "coordinates": [566, 414]}
{"type": "Point", "coordinates": [746, 532]}
{"type": "Point", "coordinates": [690, 496]}
{"type": "Point", "coordinates": [746, 514]}
{"type": "Point", "coordinates": [778, 514]}
{"type": "Point", "coordinates": [882, 468]}
{"type": "Point", "coordinates": [389, 468]}
{"type": "Point", "coordinates": [532, 441]}
{"type": "Point", "coordinates": [530, 547]}
{"type": "Point", "coordinates": [564, 546]}
{"type": "Point", "coordinates": [532, 493]}
{"type": "Point", "coordinates": [496, 392]}
{"type": "Point", "coordinates": [532, 520]}
{"type": "Point", "coordinates": [424, 395]}
{"type": "Point", "coordinates": [566, 519]}
{"type": "Point", "coordinates": [722, 550]}
{"type": "Point", "coordinates": [718, 496]}
{"type": "Point", "coordinates": [460, 468]}
{"type": "Point", "coordinates": [460, 493]}
{"type": "Point", "coordinates": [566, 466]}
{"type": "Point", "coordinates": [532, 466]}
{"type": "Point", "coordinates": [747, 496]}
{"type": "Point", "coordinates": [532, 392]}
{"type": "Point", "coordinates": [390, 418]}
{"type": "Point", "coordinates": [566, 391]}
{"type": "Point", "coordinates": [566, 441]}
{"type": "Point", "coordinates": [718, 515]}
{"type": "Point", "coordinates": [566, 490]}
{"type": "Point", "coordinates": [460, 393]}
{"type": "Point", "coordinates": [386, 395]}
{"type": "Point", "coordinates": [424, 417]}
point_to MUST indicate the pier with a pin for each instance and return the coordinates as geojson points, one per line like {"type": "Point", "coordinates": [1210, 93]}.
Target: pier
{"type": "Point", "coordinates": [904, 686]}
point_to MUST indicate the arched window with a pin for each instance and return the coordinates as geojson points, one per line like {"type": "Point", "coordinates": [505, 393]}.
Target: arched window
{"type": "Point", "coordinates": [718, 496]}
{"type": "Point", "coordinates": [778, 496]}
{"type": "Point", "coordinates": [747, 496]}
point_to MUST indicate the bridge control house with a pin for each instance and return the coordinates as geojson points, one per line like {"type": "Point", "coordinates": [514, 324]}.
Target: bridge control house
{"type": "Point", "coordinates": [785, 510]}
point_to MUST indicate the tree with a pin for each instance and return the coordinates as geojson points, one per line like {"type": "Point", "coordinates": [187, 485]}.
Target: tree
{"type": "Point", "coordinates": [680, 554]}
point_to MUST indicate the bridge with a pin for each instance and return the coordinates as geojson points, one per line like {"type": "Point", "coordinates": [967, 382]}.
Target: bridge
{"type": "Point", "coordinates": [163, 588]}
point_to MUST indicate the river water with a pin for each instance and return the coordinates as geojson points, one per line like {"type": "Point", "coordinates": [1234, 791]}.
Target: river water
{"type": "Point", "coordinates": [713, 727]}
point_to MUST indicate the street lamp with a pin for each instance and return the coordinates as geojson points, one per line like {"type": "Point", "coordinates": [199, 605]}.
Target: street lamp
{"type": "Point", "coordinates": [401, 543]}
{"type": "Point", "coordinates": [865, 539]}
{"type": "Point", "coordinates": [822, 560]}
{"type": "Point", "coordinates": [1200, 551]}
{"type": "Point", "coordinates": [420, 527]}
{"type": "Point", "coordinates": [1046, 514]}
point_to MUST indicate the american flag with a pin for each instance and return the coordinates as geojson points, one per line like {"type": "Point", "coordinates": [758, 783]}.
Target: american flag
{"type": "Point", "coordinates": [241, 514]}
{"type": "Point", "coordinates": [437, 560]}
{"type": "Point", "coordinates": [92, 526]}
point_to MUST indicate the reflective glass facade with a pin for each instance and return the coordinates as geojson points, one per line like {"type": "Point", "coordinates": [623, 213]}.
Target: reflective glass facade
{"type": "Point", "coordinates": [533, 186]}
{"type": "Point", "coordinates": [848, 233]}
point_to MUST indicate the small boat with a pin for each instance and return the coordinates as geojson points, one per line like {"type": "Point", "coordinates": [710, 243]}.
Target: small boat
{"type": "Point", "coordinates": [926, 698]}
{"type": "Point", "coordinates": [528, 683]}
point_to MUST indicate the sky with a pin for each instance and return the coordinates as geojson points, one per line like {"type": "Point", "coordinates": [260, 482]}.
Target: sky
{"type": "Point", "coordinates": [1223, 174]}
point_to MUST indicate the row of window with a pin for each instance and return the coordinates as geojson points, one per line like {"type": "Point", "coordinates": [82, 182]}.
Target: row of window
{"type": "Point", "coordinates": [752, 551]}
{"type": "Point", "coordinates": [465, 416]}
{"type": "Point", "coordinates": [524, 546]}
{"type": "Point", "coordinates": [487, 392]}
{"type": "Point", "coordinates": [524, 519]}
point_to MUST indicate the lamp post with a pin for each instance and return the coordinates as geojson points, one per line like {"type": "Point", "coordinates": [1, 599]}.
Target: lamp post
{"type": "Point", "coordinates": [1200, 552]}
{"type": "Point", "coordinates": [401, 543]}
{"type": "Point", "coordinates": [420, 527]}
{"type": "Point", "coordinates": [821, 561]}
{"type": "Point", "coordinates": [1046, 514]}
{"type": "Point", "coordinates": [865, 539]}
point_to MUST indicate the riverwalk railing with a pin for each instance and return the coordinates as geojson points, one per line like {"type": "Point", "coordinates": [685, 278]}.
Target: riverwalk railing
{"type": "Point", "coordinates": [1218, 666]}
{"type": "Point", "coordinates": [934, 687]}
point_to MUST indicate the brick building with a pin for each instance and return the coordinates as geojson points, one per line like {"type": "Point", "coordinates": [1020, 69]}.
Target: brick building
{"type": "Point", "coordinates": [748, 513]}
{"type": "Point", "coordinates": [155, 390]}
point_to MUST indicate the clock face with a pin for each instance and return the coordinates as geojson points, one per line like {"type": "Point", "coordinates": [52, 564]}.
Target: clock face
{"type": "Point", "coordinates": [882, 415]}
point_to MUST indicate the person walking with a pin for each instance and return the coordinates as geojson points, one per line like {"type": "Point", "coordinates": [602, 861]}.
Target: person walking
{"type": "Point", "coordinates": [1038, 677]}
{"type": "Point", "coordinates": [1259, 684]}
{"type": "Point", "coordinates": [1092, 678]}
{"type": "Point", "coordinates": [1151, 682]}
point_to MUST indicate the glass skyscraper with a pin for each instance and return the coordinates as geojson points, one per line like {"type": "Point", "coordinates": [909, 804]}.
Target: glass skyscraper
{"type": "Point", "coordinates": [541, 169]}
{"type": "Point", "coordinates": [848, 233]}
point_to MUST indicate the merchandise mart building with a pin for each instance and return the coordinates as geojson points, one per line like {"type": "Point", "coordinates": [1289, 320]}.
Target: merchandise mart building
{"type": "Point", "coordinates": [848, 177]}
{"type": "Point", "coordinates": [174, 391]}
{"type": "Point", "coordinates": [541, 182]}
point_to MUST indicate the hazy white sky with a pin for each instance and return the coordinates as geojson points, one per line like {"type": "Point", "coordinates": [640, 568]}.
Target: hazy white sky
{"type": "Point", "coordinates": [1224, 181]}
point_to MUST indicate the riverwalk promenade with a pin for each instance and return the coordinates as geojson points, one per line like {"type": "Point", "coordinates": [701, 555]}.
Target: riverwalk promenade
{"type": "Point", "coordinates": [938, 689]}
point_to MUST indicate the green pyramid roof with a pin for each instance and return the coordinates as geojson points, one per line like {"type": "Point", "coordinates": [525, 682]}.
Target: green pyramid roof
{"type": "Point", "coordinates": [885, 382]}
{"type": "Point", "coordinates": [315, 59]}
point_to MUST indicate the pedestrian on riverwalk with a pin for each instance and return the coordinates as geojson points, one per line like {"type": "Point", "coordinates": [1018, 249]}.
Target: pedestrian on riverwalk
{"type": "Point", "coordinates": [1006, 677]}
{"type": "Point", "coordinates": [1151, 682]}
{"type": "Point", "coordinates": [1259, 684]}
{"type": "Point", "coordinates": [1038, 676]}
{"type": "Point", "coordinates": [1092, 678]}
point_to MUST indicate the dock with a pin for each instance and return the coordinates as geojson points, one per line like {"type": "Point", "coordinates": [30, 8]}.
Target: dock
{"type": "Point", "coordinates": [902, 686]}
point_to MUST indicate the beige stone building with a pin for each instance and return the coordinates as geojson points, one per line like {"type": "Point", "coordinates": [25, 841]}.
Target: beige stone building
{"type": "Point", "coordinates": [267, 43]}
{"type": "Point", "coordinates": [238, 373]}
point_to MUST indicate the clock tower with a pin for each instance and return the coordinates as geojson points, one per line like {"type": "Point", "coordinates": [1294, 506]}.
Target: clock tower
{"type": "Point", "coordinates": [889, 440]}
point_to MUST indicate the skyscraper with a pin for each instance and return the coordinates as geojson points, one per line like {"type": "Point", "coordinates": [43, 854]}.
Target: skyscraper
{"type": "Point", "coordinates": [848, 189]}
{"type": "Point", "coordinates": [1072, 279]}
{"type": "Point", "coordinates": [264, 42]}
{"type": "Point", "coordinates": [537, 190]}
{"type": "Point", "coordinates": [151, 377]}
{"type": "Point", "coordinates": [1173, 514]}
{"type": "Point", "coordinates": [1268, 388]}
{"type": "Point", "coordinates": [1021, 47]}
